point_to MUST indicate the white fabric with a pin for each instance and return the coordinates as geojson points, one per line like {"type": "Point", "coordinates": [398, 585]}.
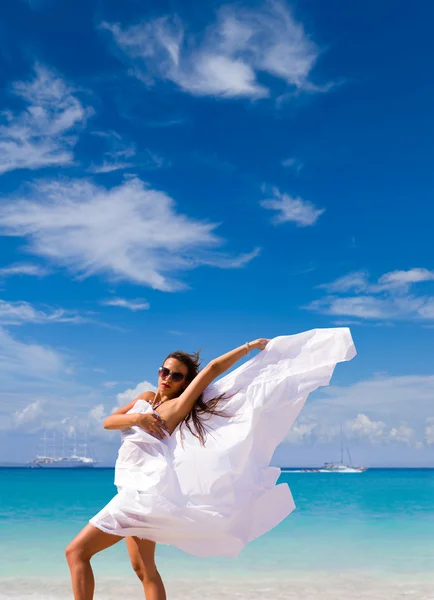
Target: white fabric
{"type": "Point", "coordinates": [212, 500]}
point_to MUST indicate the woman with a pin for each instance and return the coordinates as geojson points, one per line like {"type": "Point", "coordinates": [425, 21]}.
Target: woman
{"type": "Point", "coordinates": [195, 473]}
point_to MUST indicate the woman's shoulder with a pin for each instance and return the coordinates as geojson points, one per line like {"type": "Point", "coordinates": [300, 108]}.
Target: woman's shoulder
{"type": "Point", "coordinates": [142, 403]}
{"type": "Point", "coordinates": [146, 396]}
{"type": "Point", "coordinates": [143, 399]}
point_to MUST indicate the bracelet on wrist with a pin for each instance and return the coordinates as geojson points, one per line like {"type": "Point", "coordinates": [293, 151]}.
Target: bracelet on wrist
{"type": "Point", "coordinates": [247, 347]}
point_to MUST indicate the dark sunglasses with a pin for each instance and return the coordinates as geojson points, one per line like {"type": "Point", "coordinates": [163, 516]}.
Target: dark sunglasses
{"type": "Point", "coordinates": [164, 373]}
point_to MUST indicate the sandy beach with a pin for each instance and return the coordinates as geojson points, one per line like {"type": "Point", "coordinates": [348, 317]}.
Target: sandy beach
{"type": "Point", "coordinates": [317, 586]}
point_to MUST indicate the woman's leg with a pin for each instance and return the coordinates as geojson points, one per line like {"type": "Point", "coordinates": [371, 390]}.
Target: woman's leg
{"type": "Point", "coordinates": [142, 555]}
{"type": "Point", "coordinates": [88, 542]}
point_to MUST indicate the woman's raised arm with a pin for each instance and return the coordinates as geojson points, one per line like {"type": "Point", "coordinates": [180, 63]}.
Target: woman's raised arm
{"type": "Point", "coordinates": [182, 405]}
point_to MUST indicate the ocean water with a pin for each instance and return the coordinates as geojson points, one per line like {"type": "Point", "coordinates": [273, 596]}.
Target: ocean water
{"type": "Point", "coordinates": [367, 536]}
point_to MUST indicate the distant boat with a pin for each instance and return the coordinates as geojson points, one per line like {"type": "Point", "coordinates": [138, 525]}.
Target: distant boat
{"type": "Point", "coordinates": [51, 460]}
{"type": "Point", "coordinates": [340, 467]}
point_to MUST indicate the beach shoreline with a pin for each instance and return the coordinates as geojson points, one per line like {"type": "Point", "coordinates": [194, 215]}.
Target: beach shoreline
{"type": "Point", "coordinates": [311, 586]}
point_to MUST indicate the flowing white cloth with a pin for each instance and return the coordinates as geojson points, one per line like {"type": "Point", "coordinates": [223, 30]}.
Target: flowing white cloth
{"type": "Point", "coordinates": [212, 500]}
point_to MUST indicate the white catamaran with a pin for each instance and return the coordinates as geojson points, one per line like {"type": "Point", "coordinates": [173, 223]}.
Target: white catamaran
{"type": "Point", "coordinates": [51, 459]}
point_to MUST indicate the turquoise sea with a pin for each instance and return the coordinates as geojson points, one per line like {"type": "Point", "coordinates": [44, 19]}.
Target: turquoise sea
{"type": "Point", "coordinates": [368, 535]}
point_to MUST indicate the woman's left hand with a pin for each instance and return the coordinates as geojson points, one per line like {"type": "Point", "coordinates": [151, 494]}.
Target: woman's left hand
{"type": "Point", "coordinates": [259, 344]}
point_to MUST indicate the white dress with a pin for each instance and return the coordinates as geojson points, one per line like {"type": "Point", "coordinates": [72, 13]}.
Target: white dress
{"type": "Point", "coordinates": [212, 500]}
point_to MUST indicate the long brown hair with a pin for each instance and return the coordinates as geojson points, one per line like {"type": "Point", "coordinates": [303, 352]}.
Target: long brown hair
{"type": "Point", "coordinates": [201, 411]}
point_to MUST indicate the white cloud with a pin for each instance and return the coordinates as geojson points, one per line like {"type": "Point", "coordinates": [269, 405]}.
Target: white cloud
{"type": "Point", "coordinates": [131, 393]}
{"type": "Point", "coordinates": [35, 380]}
{"type": "Point", "coordinates": [28, 360]}
{"type": "Point", "coordinates": [403, 433]}
{"type": "Point", "coordinates": [364, 427]}
{"type": "Point", "coordinates": [16, 313]}
{"type": "Point", "coordinates": [398, 279]}
{"type": "Point", "coordinates": [129, 232]}
{"type": "Point", "coordinates": [42, 134]}
{"type": "Point", "coordinates": [110, 384]}
{"type": "Point", "coordinates": [109, 166]}
{"type": "Point", "coordinates": [133, 305]}
{"type": "Point", "coordinates": [115, 159]}
{"type": "Point", "coordinates": [230, 57]}
{"type": "Point", "coordinates": [292, 163]}
{"type": "Point", "coordinates": [378, 432]}
{"type": "Point", "coordinates": [38, 393]}
{"type": "Point", "coordinates": [229, 262]}
{"type": "Point", "coordinates": [23, 269]}
{"type": "Point", "coordinates": [290, 209]}
{"type": "Point", "coordinates": [377, 411]}
{"type": "Point", "coordinates": [387, 299]}
{"type": "Point", "coordinates": [98, 413]}
{"type": "Point", "coordinates": [356, 281]}
{"type": "Point", "coordinates": [30, 415]}
{"type": "Point", "coordinates": [301, 432]}
{"type": "Point", "coordinates": [410, 396]}
{"type": "Point", "coordinates": [364, 307]}
{"type": "Point", "coordinates": [429, 431]}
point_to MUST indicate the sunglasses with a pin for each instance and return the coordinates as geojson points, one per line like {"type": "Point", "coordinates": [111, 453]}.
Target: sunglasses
{"type": "Point", "coordinates": [164, 373]}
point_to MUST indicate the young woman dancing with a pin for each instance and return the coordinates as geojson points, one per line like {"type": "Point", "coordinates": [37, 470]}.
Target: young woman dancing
{"type": "Point", "coordinates": [193, 468]}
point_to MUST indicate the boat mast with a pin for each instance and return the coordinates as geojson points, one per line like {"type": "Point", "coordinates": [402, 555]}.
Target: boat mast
{"type": "Point", "coordinates": [342, 447]}
{"type": "Point", "coordinates": [85, 444]}
{"type": "Point", "coordinates": [349, 457]}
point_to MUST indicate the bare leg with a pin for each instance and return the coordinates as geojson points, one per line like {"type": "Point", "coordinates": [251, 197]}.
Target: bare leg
{"type": "Point", "coordinates": [142, 555]}
{"type": "Point", "coordinates": [88, 542]}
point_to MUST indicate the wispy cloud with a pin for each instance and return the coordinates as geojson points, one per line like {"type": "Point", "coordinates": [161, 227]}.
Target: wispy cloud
{"type": "Point", "coordinates": [356, 281]}
{"type": "Point", "coordinates": [118, 157]}
{"type": "Point", "coordinates": [137, 304]}
{"type": "Point", "coordinates": [228, 60]}
{"type": "Point", "coordinates": [404, 279]}
{"type": "Point", "coordinates": [23, 269]}
{"type": "Point", "coordinates": [388, 299]}
{"type": "Point", "coordinates": [31, 413]}
{"type": "Point", "coordinates": [166, 122]}
{"type": "Point", "coordinates": [129, 232]}
{"type": "Point", "coordinates": [17, 313]}
{"type": "Point", "coordinates": [110, 384]}
{"type": "Point", "coordinates": [109, 166]}
{"type": "Point", "coordinates": [289, 209]}
{"type": "Point", "coordinates": [292, 163]}
{"type": "Point", "coordinates": [28, 360]}
{"type": "Point", "coordinates": [42, 135]}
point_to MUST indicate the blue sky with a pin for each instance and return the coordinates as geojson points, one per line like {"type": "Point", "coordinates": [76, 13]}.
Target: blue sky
{"type": "Point", "coordinates": [194, 175]}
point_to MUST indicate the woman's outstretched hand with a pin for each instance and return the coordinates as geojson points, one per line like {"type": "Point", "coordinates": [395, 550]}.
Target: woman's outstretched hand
{"type": "Point", "coordinates": [259, 344]}
{"type": "Point", "coordinates": [152, 424]}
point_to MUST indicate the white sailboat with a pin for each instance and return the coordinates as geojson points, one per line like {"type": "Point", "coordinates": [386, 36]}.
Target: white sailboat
{"type": "Point", "coordinates": [341, 467]}
{"type": "Point", "coordinates": [49, 458]}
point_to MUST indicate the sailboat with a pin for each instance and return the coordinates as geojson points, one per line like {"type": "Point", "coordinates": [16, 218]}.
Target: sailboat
{"type": "Point", "coordinates": [50, 460]}
{"type": "Point", "coordinates": [340, 467]}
